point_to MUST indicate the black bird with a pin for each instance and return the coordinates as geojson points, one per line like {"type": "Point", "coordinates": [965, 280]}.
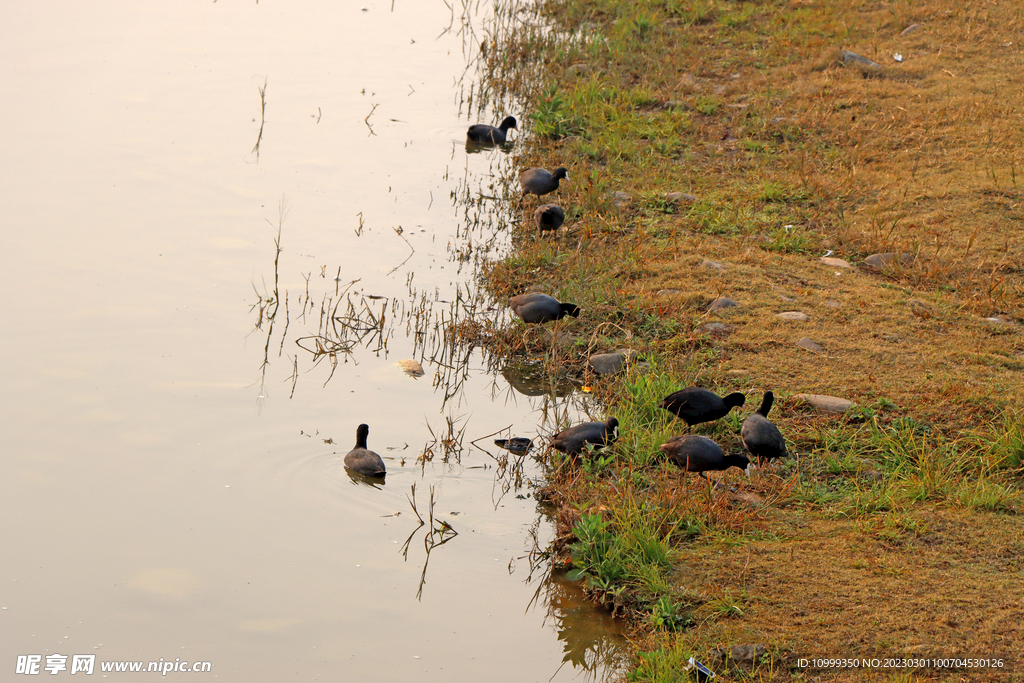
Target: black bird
{"type": "Point", "coordinates": [696, 405]}
{"type": "Point", "coordinates": [762, 438]}
{"type": "Point", "coordinates": [700, 454]}
{"type": "Point", "coordinates": [548, 217]}
{"type": "Point", "coordinates": [481, 132]}
{"type": "Point", "coordinates": [519, 445]}
{"type": "Point", "coordinates": [362, 460]}
{"type": "Point", "coordinates": [541, 308]}
{"type": "Point", "coordinates": [573, 439]}
{"type": "Point", "coordinates": [540, 181]}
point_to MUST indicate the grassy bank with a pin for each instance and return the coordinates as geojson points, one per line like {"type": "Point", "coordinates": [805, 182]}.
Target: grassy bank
{"type": "Point", "coordinates": [718, 149]}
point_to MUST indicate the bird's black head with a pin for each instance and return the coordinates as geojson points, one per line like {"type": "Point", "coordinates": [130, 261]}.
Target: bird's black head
{"type": "Point", "coordinates": [509, 122]}
{"type": "Point", "coordinates": [361, 432]}
{"type": "Point", "coordinates": [612, 429]}
{"type": "Point", "coordinates": [766, 403]}
{"type": "Point", "coordinates": [735, 399]}
{"type": "Point", "coordinates": [560, 172]}
{"type": "Point", "coordinates": [740, 461]}
{"type": "Point", "coordinates": [569, 309]}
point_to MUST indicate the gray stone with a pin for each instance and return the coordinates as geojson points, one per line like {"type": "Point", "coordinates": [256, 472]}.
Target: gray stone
{"type": "Point", "coordinates": [809, 344]}
{"type": "Point", "coordinates": [832, 303]}
{"type": "Point", "coordinates": [741, 656]}
{"type": "Point", "coordinates": [793, 315]}
{"type": "Point", "coordinates": [579, 69]}
{"type": "Point", "coordinates": [1000, 319]}
{"type": "Point", "coordinates": [853, 59]}
{"type": "Point", "coordinates": [679, 198]}
{"type": "Point", "coordinates": [630, 354]}
{"type": "Point", "coordinates": [835, 262]}
{"type": "Point", "coordinates": [687, 83]}
{"type": "Point", "coordinates": [621, 199]}
{"type": "Point", "coordinates": [712, 265]}
{"type": "Point", "coordinates": [720, 330]}
{"type": "Point", "coordinates": [787, 299]}
{"type": "Point", "coordinates": [910, 29]}
{"type": "Point", "coordinates": [825, 404]}
{"type": "Point", "coordinates": [885, 259]}
{"type": "Point", "coordinates": [722, 303]}
{"type": "Point", "coordinates": [669, 292]}
{"type": "Point", "coordinates": [607, 363]}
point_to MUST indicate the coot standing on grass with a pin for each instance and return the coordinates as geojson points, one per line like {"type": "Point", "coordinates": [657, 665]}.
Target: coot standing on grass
{"type": "Point", "coordinates": [540, 181]}
{"type": "Point", "coordinates": [762, 438]}
{"type": "Point", "coordinates": [548, 217]}
{"type": "Point", "coordinates": [696, 405]}
{"type": "Point", "coordinates": [494, 135]}
{"type": "Point", "coordinates": [362, 460]}
{"type": "Point", "coordinates": [574, 439]}
{"type": "Point", "coordinates": [695, 453]}
{"type": "Point", "coordinates": [541, 308]}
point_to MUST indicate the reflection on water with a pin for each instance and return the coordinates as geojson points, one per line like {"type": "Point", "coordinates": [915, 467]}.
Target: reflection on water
{"type": "Point", "coordinates": [592, 638]}
{"type": "Point", "coordinates": [531, 379]}
{"type": "Point", "coordinates": [361, 479]}
{"type": "Point", "coordinates": [201, 524]}
{"type": "Point", "coordinates": [475, 147]}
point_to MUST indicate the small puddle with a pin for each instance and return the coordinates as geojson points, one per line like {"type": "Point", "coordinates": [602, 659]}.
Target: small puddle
{"type": "Point", "coordinates": [234, 229]}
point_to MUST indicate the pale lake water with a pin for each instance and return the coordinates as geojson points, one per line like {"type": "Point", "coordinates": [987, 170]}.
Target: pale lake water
{"type": "Point", "coordinates": [164, 495]}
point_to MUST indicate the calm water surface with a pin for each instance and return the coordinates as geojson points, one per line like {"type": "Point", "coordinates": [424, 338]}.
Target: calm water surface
{"type": "Point", "coordinates": [171, 482]}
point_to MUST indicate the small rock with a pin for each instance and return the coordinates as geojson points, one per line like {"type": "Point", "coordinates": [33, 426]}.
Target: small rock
{"type": "Point", "coordinates": [621, 199]}
{"type": "Point", "coordinates": [809, 344]}
{"type": "Point", "coordinates": [679, 198]}
{"type": "Point", "coordinates": [835, 262]}
{"type": "Point", "coordinates": [687, 83]}
{"type": "Point", "coordinates": [745, 656]}
{"type": "Point", "coordinates": [826, 404]}
{"type": "Point", "coordinates": [910, 29]}
{"type": "Point", "coordinates": [607, 363]}
{"type": "Point", "coordinates": [669, 292]}
{"type": "Point", "coordinates": [579, 69]}
{"type": "Point", "coordinates": [722, 303]}
{"type": "Point", "coordinates": [832, 303]}
{"type": "Point", "coordinates": [719, 330]}
{"type": "Point", "coordinates": [883, 260]}
{"type": "Point", "coordinates": [874, 475]}
{"type": "Point", "coordinates": [793, 315]}
{"type": "Point", "coordinates": [1000, 319]}
{"type": "Point", "coordinates": [712, 265]}
{"type": "Point", "coordinates": [919, 308]}
{"type": "Point", "coordinates": [411, 367]}
{"type": "Point", "coordinates": [853, 59]}
{"type": "Point", "coordinates": [629, 354]}
{"type": "Point", "coordinates": [748, 497]}
{"type": "Point", "coordinates": [787, 299]}
{"type": "Point", "coordinates": [748, 655]}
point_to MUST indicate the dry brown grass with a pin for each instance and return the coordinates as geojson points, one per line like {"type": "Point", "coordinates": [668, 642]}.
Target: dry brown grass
{"type": "Point", "coordinates": [855, 589]}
